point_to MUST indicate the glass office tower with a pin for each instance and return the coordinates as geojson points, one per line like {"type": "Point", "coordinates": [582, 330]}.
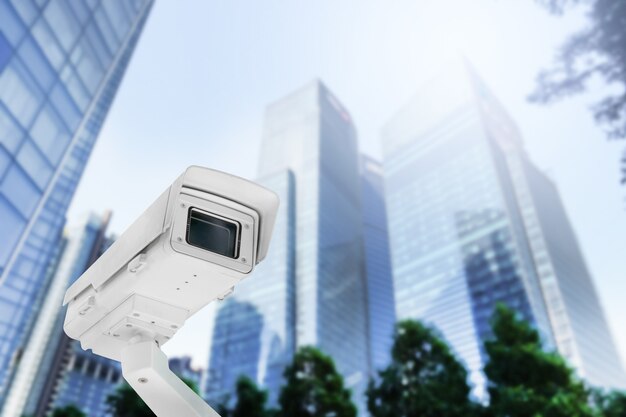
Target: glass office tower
{"type": "Point", "coordinates": [61, 63]}
{"type": "Point", "coordinates": [235, 350]}
{"type": "Point", "coordinates": [67, 374]}
{"type": "Point", "coordinates": [86, 383]}
{"type": "Point", "coordinates": [380, 298]}
{"type": "Point", "coordinates": [310, 133]}
{"type": "Point", "coordinates": [579, 324]}
{"type": "Point", "coordinates": [254, 331]}
{"type": "Point", "coordinates": [468, 228]}
{"type": "Point", "coordinates": [82, 244]}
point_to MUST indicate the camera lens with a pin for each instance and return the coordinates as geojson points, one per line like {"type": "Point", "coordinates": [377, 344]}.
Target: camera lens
{"type": "Point", "coordinates": [213, 233]}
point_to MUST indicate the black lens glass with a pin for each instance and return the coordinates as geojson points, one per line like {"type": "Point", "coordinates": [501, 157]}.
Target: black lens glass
{"type": "Point", "coordinates": [212, 233]}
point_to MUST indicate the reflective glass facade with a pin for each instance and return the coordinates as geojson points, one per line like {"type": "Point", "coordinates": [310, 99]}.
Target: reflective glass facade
{"type": "Point", "coordinates": [81, 244]}
{"type": "Point", "coordinates": [61, 63]}
{"type": "Point", "coordinates": [380, 297]}
{"type": "Point", "coordinates": [578, 321]}
{"type": "Point", "coordinates": [86, 383]}
{"type": "Point", "coordinates": [312, 134]}
{"type": "Point", "coordinates": [474, 222]}
{"type": "Point", "coordinates": [267, 298]}
{"type": "Point", "coordinates": [457, 237]}
{"type": "Point", "coordinates": [235, 349]}
{"type": "Point", "coordinates": [67, 374]}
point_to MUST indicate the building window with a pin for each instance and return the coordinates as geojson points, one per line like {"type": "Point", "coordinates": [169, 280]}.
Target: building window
{"type": "Point", "coordinates": [37, 63]}
{"type": "Point", "coordinates": [10, 229]}
{"type": "Point", "coordinates": [10, 24]}
{"type": "Point", "coordinates": [78, 364]}
{"type": "Point", "coordinates": [19, 189]}
{"type": "Point", "coordinates": [50, 135]}
{"type": "Point", "coordinates": [48, 43]}
{"type": "Point", "coordinates": [65, 26]}
{"type": "Point", "coordinates": [5, 51]}
{"type": "Point", "coordinates": [35, 165]}
{"type": "Point", "coordinates": [20, 93]}
{"type": "Point", "coordinates": [12, 134]}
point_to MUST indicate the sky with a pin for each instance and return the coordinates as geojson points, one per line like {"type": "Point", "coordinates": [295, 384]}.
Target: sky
{"type": "Point", "coordinates": [204, 71]}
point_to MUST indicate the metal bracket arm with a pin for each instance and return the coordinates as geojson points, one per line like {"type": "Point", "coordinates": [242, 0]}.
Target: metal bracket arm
{"type": "Point", "coordinates": [146, 369]}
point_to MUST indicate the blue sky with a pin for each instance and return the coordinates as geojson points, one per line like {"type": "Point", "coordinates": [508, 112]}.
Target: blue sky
{"type": "Point", "coordinates": [204, 71]}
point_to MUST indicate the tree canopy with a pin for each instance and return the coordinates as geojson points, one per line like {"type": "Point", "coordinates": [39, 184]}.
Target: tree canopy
{"type": "Point", "coordinates": [251, 400]}
{"type": "Point", "coordinates": [610, 403]}
{"type": "Point", "coordinates": [526, 381]}
{"type": "Point", "coordinates": [595, 51]}
{"type": "Point", "coordinates": [424, 378]}
{"type": "Point", "coordinates": [68, 411]}
{"type": "Point", "coordinates": [314, 388]}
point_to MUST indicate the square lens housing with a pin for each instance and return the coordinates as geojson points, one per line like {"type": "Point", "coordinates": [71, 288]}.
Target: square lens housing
{"type": "Point", "coordinates": [213, 233]}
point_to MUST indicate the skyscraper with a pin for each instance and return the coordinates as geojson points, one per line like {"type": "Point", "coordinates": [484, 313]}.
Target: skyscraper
{"type": "Point", "coordinates": [235, 349]}
{"type": "Point", "coordinates": [472, 222]}
{"type": "Point", "coordinates": [60, 66]}
{"type": "Point", "coordinates": [310, 133]}
{"type": "Point", "coordinates": [576, 314]}
{"type": "Point", "coordinates": [254, 332]}
{"type": "Point", "coordinates": [311, 289]}
{"type": "Point", "coordinates": [68, 375]}
{"type": "Point", "coordinates": [86, 382]}
{"type": "Point", "coordinates": [41, 365]}
{"type": "Point", "coordinates": [380, 297]}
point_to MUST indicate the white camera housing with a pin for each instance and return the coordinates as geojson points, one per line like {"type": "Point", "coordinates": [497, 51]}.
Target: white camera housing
{"type": "Point", "coordinates": [204, 234]}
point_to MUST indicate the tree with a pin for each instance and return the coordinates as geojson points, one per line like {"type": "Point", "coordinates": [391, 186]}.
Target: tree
{"type": "Point", "coordinates": [595, 52]}
{"type": "Point", "coordinates": [68, 411]}
{"type": "Point", "coordinates": [125, 402]}
{"type": "Point", "coordinates": [314, 388]}
{"type": "Point", "coordinates": [526, 381]}
{"type": "Point", "coordinates": [424, 378]}
{"type": "Point", "coordinates": [222, 408]}
{"type": "Point", "coordinates": [251, 400]}
{"type": "Point", "coordinates": [610, 404]}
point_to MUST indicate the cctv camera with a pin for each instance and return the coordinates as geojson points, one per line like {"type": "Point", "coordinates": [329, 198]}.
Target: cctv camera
{"type": "Point", "coordinates": [204, 234]}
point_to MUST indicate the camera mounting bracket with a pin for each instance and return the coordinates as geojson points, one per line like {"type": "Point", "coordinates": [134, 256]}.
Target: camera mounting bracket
{"type": "Point", "coordinates": [145, 368]}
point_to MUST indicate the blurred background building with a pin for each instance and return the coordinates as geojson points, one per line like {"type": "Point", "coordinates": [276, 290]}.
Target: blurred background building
{"type": "Point", "coordinates": [456, 219]}
{"type": "Point", "coordinates": [254, 331]}
{"type": "Point", "coordinates": [310, 157]}
{"type": "Point", "coordinates": [60, 66]}
{"type": "Point", "coordinates": [55, 370]}
{"type": "Point", "coordinates": [235, 349]}
{"type": "Point", "coordinates": [312, 134]}
{"type": "Point", "coordinates": [84, 380]}
{"type": "Point", "coordinates": [472, 222]}
{"type": "Point", "coordinates": [381, 315]}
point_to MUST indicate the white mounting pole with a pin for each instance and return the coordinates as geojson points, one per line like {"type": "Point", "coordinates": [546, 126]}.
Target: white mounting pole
{"type": "Point", "coordinates": [146, 369]}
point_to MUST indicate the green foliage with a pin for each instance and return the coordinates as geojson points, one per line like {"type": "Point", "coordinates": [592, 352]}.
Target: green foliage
{"type": "Point", "coordinates": [314, 388]}
{"type": "Point", "coordinates": [424, 378]}
{"type": "Point", "coordinates": [610, 404]}
{"type": "Point", "coordinates": [68, 411]}
{"type": "Point", "coordinates": [251, 400]}
{"type": "Point", "coordinates": [597, 51]}
{"type": "Point", "coordinates": [125, 402]}
{"type": "Point", "coordinates": [222, 408]}
{"type": "Point", "coordinates": [524, 380]}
